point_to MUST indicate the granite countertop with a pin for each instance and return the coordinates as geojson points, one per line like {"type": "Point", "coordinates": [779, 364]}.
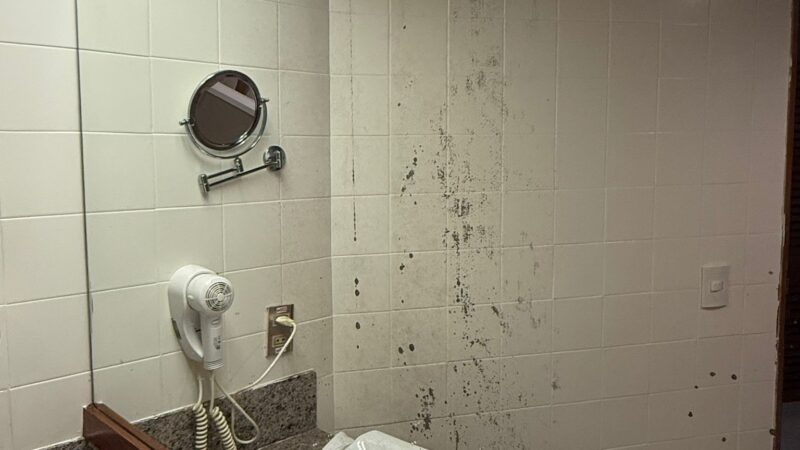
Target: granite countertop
{"type": "Point", "coordinates": [310, 440]}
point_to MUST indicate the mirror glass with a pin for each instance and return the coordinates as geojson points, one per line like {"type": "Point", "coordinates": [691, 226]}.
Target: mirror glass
{"type": "Point", "coordinates": [224, 112]}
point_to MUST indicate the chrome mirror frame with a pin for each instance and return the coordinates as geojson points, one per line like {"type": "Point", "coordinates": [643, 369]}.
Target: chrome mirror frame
{"type": "Point", "coordinates": [240, 146]}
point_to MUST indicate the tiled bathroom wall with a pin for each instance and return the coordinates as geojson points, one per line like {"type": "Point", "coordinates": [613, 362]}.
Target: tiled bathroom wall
{"type": "Point", "coordinates": [497, 246]}
{"type": "Point", "coordinates": [44, 333]}
{"type": "Point", "coordinates": [268, 233]}
{"type": "Point", "coordinates": [523, 193]}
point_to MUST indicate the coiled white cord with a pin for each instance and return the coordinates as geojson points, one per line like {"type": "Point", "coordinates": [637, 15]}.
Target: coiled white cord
{"type": "Point", "coordinates": [227, 434]}
{"type": "Point", "coordinates": [200, 419]}
{"type": "Point", "coordinates": [282, 320]}
{"type": "Point", "coordinates": [223, 429]}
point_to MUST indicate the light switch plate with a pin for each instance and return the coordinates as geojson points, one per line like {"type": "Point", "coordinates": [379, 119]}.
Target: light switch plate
{"type": "Point", "coordinates": [715, 285]}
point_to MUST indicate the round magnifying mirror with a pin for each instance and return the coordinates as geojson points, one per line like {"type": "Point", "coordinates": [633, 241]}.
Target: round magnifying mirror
{"type": "Point", "coordinates": [225, 111]}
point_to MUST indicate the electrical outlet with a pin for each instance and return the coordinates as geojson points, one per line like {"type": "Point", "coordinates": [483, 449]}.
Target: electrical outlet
{"type": "Point", "coordinates": [277, 334]}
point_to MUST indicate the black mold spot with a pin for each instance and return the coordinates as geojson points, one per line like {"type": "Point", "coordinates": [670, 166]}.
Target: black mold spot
{"type": "Point", "coordinates": [411, 347]}
{"type": "Point", "coordinates": [734, 377]}
{"type": "Point", "coordinates": [691, 414]}
{"type": "Point", "coordinates": [358, 325]}
{"type": "Point", "coordinates": [713, 374]}
{"type": "Point", "coordinates": [400, 350]}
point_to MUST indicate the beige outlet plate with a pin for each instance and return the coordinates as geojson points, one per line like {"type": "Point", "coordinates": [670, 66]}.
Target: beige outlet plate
{"type": "Point", "coordinates": [277, 334]}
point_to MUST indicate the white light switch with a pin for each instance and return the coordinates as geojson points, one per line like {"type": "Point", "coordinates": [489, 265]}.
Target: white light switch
{"type": "Point", "coordinates": [715, 285]}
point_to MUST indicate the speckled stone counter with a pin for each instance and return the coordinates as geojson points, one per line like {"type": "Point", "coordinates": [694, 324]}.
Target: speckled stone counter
{"type": "Point", "coordinates": [286, 412]}
{"type": "Point", "coordinates": [282, 410]}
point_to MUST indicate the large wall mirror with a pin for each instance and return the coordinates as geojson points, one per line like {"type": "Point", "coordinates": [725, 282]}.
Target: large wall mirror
{"type": "Point", "coordinates": [171, 90]}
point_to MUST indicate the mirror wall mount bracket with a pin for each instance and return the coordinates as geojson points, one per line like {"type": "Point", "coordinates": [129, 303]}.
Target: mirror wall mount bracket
{"type": "Point", "coordinates": [274, 160]}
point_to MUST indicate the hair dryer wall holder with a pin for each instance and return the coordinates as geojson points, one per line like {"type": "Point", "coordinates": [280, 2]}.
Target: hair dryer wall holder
{"type": "Point", "coordinates": [274, 159]}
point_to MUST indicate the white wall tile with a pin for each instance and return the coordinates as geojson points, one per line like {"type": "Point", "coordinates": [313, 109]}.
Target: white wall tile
{"type": "Point", "coordinates": [629, 214]}
{"type": "Point", "coordinates": [566, 418]}
{"type": "Point", "coordinates": [631, 159]}
{"type": "Point", "coordinates": [632, 104]}
{"type": "Point", "coordinates": [102, 75]}
{"type": "Point", "coordinates": [576, 377]}
{"type": "Point", "coordinates": [129, 315]}
{"type": "Point", "coordinates": [528, 218]}
{"type": "Point", "coordinates": [123, 385]}
{"type": "Point", "coordinates": [306, 229]}
{"type": "Point", "coordinates": [360, 284]}
{"type": "Point", "coordinates": [684, 50]}
{"type": "Point", "coordinates": [188, 236]}
{"type": "Point", "coordinates": [308, 51]}
{"type": "Point", "coordinates": [580, 160]}
{"type": "Point", "coordinates": [419, 336]}
{"type": "Point", "coordinates": [635, 10]}
{"type": "Point", "coordinates": [38, 22]}
{"type": "Point", "coordinates": [681, 104]}
{"type": "Point", "coordinates": [42, 257]}
{"type": "Point", "coordinates": [677, 211]}
{"type": "Point", "coordinates": [577, 324]}
{"type": "Point", "coordinates": [49, 96]}
{"type": "Point", "coordinates": [367, 222]}
{"type": "Point", "coordinates": [172, 36]}
{"type": "Point", "coordinates": [409, 33]}
{"type": "Point", "coordinates": [528, 161]}
{"type": "Point", "coordinates": [418, 103]}
{"type": "Point", "coordinates": [65, 397]}
{"type": "Point", "coordinates": [674, 315]}
{"type": "Point", "coordinates": [529, 328]}
{"type": "Point", "coordinates": [582, 105]}
{"type": "Point", "coordinates": [310, 175]}
{"type": "Point", "coordinates": [5, 418]}
{"type": "Point", "coordinates": [633, 50]}
{"type": "Point", "coordinates": [251, 235]}
{"type": "Point", "coordinates": [308, 285]}
{"type": "Point", "coordinates": [679, 158]}
{"type": "Point", "coordinates": [370, 45]}
{"type": "Point", "coordinates": [625, 371]}
{"type": "Point", "coordinates": [676, 264]}
{"type": "Point", "coordinates": [177, 165]}
{"type": "Point", "coordinates": [305, 101]}
{"type": "Point", "coordinates": [121, 28]}
{"type": "Point", "coordinates": [248, 33]}
{"type": "Point", "coordinates": [255, 289]}
{"type": "Point", "coordinates": [30, 164]}
{"type": "Point", "coordinates": [684, 12]}
{"type": "Point", "coordinates": [528, 272]}
{"type": "Point", "coordinates": [121, 249]}
{"type": "Point", "coordinates": [363, 341]}
{"type": "Point", "coordinates": [583, 10]}
{"type": "Point", "coordinates": [626, 319]}
{"type": "Point", "coordinates": [421, 280]}
{"type": "Point", "coordinates": [33, 330]}
{"type": "Point", "coordinates": [579, 216]}
{"type": "Point", "coordinates": [124, 161]}
{"type": "Point", "coordinates": [628, 267]}
{"type": "Point", "coordinates": [577, 270]}
{"type": "Point", "coordinates": [625, 420]}
{"type": "Point", "coordinates": [671, 367]}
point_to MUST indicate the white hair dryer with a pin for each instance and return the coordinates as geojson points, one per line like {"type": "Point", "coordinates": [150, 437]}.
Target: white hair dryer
{"type": "Point", "coordinates": [197, 299]}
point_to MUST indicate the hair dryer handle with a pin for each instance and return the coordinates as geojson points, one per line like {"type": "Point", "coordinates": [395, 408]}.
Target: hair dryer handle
{"type": "Point", "coordinates": [211, 335]}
